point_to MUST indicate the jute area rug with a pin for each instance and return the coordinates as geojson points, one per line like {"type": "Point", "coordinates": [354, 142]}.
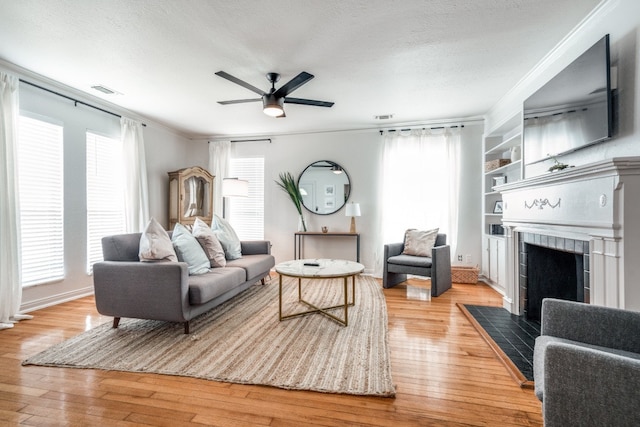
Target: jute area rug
{"type": "Point", "coordinates": [242, 341]}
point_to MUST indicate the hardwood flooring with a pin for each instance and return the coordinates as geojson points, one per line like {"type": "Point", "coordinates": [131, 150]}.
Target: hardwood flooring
{"type": "Point", "coordinates": [445, 374]}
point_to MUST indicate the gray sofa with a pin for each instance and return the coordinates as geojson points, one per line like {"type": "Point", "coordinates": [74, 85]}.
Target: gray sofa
{"type": "Point", "coordinates": [586, 365]}
{"type": "Point", "coordinates": [126, 287]}
{"type": "Point", "coordinates": [437, 267]}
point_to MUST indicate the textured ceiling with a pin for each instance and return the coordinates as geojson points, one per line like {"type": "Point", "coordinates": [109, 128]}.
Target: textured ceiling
{"type": "Point", "coordinates": [420, 60]}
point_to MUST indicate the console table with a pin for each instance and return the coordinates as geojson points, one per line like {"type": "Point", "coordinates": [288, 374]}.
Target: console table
{"type": "Point", "coordinates": [298, 241]}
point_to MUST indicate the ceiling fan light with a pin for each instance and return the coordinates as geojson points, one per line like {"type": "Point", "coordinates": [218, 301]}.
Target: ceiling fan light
{"type": "Point", "coordinates": [272, 106]}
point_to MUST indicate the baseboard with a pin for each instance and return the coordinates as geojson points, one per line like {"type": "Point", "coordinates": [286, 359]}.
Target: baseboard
{"type": "Point", "coordinates": [56, 299]}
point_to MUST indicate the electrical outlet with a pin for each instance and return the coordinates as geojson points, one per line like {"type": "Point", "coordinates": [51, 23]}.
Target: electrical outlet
{"type": "Point", "coordinates": [459, 257]}
{"type": "Point", "coordinates": [468, 257]}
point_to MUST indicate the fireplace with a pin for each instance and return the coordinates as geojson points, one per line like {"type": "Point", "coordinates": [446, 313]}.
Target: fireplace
{"type": "Point", "coordinates": [551, 267]}
{"type": "Point", "coordinates": [576, 233]}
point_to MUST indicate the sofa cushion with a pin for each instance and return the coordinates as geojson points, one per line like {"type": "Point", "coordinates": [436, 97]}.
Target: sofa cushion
{"type": "Point", "coordinates": [410, 260]}
{"type": "Point", "coordinates": [419, 243]}
{"type": "Point", "coordinates": [227, 237]}
{"type": "Point", "coordinates": [205, 287]}
{"type": "Point", "coordinates": [189, 250]}
{"type": "Point", "coordinates": [155, 244]}
{"type": "Point", "coordinates": [254, 265]}
{"type": "Point", "coordinates": [210, 243]}
{"type": "Point", "coordinates": [544, 341]}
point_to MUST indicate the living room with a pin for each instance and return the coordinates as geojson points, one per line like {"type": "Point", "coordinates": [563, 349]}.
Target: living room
{"type": "Point", "coordinates": [358, 150]}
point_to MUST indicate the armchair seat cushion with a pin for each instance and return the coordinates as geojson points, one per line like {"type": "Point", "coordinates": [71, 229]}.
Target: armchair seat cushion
{"type": "Point", "coordinates": [411, 261]}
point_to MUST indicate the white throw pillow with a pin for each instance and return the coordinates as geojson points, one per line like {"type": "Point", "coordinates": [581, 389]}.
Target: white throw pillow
{"type": "Point", "coordinates": [155, 244]}
{"type": "Point", "coordinates": [419, 243]}
{"type": "Point", "coordinates": [209, 242]}
{"type": "Point", "coordinates": [189, 250]}
{"type": "Point", "coordinates": [227, 237]}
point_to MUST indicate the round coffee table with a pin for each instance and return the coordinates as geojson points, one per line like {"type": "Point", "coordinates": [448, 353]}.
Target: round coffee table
{"type": "Point", "coordinates": [320, 269]}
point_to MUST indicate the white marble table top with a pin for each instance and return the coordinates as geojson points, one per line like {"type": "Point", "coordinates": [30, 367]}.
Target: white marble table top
{"type": "Point", "coordinates": [327, 268]}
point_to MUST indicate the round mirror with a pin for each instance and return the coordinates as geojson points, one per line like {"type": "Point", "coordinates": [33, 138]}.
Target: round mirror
{"type": "Point", "coordinates": [325, 187]}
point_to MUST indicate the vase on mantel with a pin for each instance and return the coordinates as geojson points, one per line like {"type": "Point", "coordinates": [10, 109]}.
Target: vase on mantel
{"type": "Point", "coordinates": [302, 223]}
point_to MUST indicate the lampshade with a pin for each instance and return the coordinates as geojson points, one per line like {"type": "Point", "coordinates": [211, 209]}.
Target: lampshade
{"type": "Point", "coordinates": [353, 209]}
{"type": "Point", "coordinates": [234, 187]}
{"type": "Point", "coordinates": [272, 106]}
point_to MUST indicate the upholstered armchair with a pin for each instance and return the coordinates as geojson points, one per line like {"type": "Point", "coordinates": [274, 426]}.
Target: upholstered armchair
{"type": "Point", "coordinates": [438, 266]}
{"type": "Point", "coordinates": [586, 365]}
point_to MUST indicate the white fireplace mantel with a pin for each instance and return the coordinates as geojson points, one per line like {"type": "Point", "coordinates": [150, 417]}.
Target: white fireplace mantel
{"type": "Point", "coordinates": [598, 203]}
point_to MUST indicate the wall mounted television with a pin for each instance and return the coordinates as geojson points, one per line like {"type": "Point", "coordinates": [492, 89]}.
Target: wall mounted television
{"type": "Point", "coordinates": [572, 110]}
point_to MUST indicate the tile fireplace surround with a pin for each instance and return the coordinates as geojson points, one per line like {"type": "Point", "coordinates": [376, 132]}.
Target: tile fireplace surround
{"type": "Point", "coordinates": [597, 205]}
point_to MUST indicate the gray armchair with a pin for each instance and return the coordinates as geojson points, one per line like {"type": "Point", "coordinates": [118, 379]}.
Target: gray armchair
{"type": "Point", "coordinates": [586, 365]}
{"type": "Point", "coordinates": [437, 267]}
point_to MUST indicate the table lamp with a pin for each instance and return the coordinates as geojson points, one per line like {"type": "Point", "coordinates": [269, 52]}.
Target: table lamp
{"type": "Point", "coordinates": [353, 210]}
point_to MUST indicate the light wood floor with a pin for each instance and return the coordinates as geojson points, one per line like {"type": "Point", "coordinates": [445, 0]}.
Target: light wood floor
{"type": "Point", "coordinates": [445, 375]}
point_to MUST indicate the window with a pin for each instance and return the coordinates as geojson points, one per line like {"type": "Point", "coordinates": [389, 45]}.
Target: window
{"type": "Point", "coordinates": [105, 193]}
{"type": "Point", "coordinates": [247, 214]}
{"type": "Point", "coordinates": [41, 190]}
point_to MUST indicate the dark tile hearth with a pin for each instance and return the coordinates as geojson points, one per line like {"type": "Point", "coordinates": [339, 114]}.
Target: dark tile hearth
{"type": "Point", "coordinates": [515, 335]}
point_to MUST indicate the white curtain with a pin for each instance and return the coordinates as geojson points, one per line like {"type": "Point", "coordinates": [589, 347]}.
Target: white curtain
{"type": "Point", "coordinates": [136, 190]}
{"type": "Point", "coordinates": [10, 281]}
{"type": "Point", "coordinates": [219, 161]}
{"type": "Point", "coordinates": [420, 185]}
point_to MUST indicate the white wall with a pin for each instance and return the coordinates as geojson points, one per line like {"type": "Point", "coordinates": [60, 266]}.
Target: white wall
{"type": "Point", "coordinates": [165, 151]}
{"type": "Point", "coordinates": [358, 152]}
{"type": "Point", "coordinates": [621, 20]}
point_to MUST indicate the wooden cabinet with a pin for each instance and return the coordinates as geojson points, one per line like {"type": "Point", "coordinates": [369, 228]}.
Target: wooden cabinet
{"type": "Point", "coordinates": [190, 196]}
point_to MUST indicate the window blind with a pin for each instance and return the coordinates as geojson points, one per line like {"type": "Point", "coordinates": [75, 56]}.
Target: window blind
{"type": "Point", "coordinates": [247, 213]}
{"type": "Point", "coordinates": [105, 193]}
{"type": "Point", "coordinates": [41, 192]}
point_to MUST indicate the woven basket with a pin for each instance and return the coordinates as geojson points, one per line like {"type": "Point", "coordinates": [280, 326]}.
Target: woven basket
{"type": "Point", "coordinates": [495, 164]}
{"type": "Point", "coordinates": [462, 274]}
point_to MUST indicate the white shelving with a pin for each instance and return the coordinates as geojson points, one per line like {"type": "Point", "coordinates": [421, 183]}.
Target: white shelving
{"type": "Point", "coordinates": [498, 144]}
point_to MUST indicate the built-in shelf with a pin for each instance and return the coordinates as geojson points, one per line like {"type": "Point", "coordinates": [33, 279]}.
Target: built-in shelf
{"type": "Point", "coordinates": [510, 142]}
{"type": "Point", "coordinates": [502, 169]}
{"type": "Point", "coordinates": [497, 144]}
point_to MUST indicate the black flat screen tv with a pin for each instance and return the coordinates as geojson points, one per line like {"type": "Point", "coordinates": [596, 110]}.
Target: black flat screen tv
{"type": "Point", "coordinates": [571, 111]}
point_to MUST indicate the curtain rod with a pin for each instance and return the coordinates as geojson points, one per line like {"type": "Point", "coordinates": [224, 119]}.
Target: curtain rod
{"type": "Point", "coordinates": [75, 101]}
{"type": "Point", "coordinates": [250, 140]}
{"type": "Point", "coordinates": [424, 128]}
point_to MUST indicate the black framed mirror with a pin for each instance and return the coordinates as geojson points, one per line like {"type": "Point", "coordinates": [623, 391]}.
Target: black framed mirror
{"type": "Point", "coordinates": [325, 187]}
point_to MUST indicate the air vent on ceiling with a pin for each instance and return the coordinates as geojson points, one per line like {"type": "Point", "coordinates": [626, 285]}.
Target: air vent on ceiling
{"type": "Point", "coordinates": [105, 90]}
{"type": "Point", "coordinates": [384, 117]}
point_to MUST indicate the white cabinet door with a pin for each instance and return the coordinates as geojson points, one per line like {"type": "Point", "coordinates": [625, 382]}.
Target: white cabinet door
{"type": "Point", "coordinates": [494, 264]}
{"type": "Point", "coordinates": [493, 260]}
{"type": "Point", "coordinates": [502, 262]}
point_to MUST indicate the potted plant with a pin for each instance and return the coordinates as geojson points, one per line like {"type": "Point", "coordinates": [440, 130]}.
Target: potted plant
{"type": "Point", "coordinates": [288, 184]}
{"type": "Point", "coordinates": [557, 166]}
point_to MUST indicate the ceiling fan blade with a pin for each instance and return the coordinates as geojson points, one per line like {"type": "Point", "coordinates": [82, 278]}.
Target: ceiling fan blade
{"type": "Point", "coordinates": [293, 84]}
{"type": "Point", "coordinates": [240, 82]}
{"type": "Point", "coordinates": [308, 102]}
{"type": "Point", "coordinates": [239, 101]}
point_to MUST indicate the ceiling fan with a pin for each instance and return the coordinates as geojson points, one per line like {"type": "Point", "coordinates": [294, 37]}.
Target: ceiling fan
{"type": "Point", "coordinates": [273, 101]}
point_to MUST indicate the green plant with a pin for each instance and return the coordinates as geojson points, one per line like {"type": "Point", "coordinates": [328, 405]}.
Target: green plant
{"type": "Point", "coordinates": [557, 165]}
{"type": "Point", "coordinates": [288, 184]}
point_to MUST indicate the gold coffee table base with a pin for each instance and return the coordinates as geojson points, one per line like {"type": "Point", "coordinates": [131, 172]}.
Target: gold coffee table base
{"type": "Point", "coordinates": [323, 310]}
